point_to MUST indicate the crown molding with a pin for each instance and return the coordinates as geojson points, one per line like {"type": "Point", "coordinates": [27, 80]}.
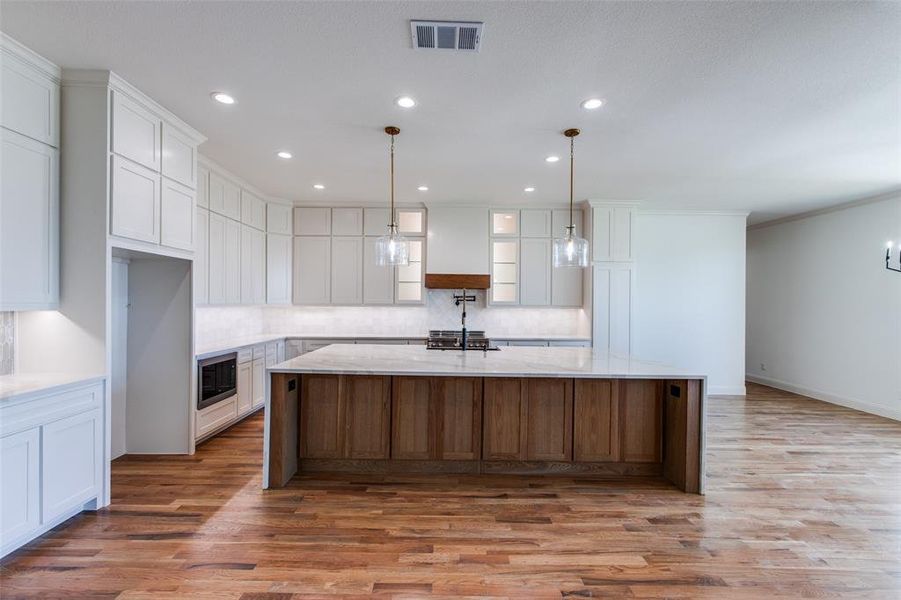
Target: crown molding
{"type": "Point", "coordinates": [894, 194]}
{"type": "Point", "coordinates": [28, 57]}
{"type": "Point", "coordinates": [693, 212]}
{"type": "Point", "coordinates": [212, 165]}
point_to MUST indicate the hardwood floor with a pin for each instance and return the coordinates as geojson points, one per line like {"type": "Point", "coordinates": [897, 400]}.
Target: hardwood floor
{"type": "Point", "coordinates": [804, 501]}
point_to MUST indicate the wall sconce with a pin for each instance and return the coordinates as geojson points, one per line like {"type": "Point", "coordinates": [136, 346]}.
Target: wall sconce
{"type": "Point", "coordinates": [888, 258]}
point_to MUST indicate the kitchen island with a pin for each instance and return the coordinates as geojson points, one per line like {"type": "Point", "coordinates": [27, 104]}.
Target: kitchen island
{"type": "Point", "coordinates": [378, 408]}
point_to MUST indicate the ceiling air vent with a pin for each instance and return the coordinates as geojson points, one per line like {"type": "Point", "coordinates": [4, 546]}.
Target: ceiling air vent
{"type": "Point", "coordinates": [446, 35]}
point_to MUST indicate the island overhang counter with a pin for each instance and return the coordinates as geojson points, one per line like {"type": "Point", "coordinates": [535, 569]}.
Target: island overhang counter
{"type": "Point", "coordinates": [572, 411]}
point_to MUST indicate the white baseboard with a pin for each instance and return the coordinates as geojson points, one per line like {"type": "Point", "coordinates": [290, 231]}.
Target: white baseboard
{"type": "Point", "coordinates": [726, 390]}
{"type": "Point", "coordinates": [873, 409]}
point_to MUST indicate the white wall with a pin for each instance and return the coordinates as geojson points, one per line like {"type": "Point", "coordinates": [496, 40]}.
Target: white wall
{"type": "Point", "coordinates": [824, 315]}
{"type": "Point", "coordinates": [688, 304]}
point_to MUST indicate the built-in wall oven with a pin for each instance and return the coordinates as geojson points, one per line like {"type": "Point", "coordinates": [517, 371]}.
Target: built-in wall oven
{"type": "Point", "coordinates": [217, 379]}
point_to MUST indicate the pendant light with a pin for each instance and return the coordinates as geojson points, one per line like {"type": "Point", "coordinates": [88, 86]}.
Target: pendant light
{"type": "Point", "coordinates": [570, 250]}
{"type": "Point", "coordinates": [392, 249]}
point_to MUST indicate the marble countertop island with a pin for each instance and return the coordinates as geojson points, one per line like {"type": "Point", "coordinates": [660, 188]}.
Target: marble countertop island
{"type": "Point", "coordinates": [510, 361]}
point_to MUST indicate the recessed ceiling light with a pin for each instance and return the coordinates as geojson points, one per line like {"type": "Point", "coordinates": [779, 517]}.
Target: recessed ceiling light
{"type": "Point", "coordinates": [222, 97]}
{"type": "Point", "coordinates": [529, 189]}
{"type": "Point", "coordinates": [593, 103]}
{"type": "Point", "coordinates": [284, 154]}
{"type": "Point", "coordinates": [552, 159]}
{"type": "Point", "coordinates": [405, 102]}
{"type": "Point", "coordinates": [423, 188]}
{"type": "Point", "coordinates": [318, 186]}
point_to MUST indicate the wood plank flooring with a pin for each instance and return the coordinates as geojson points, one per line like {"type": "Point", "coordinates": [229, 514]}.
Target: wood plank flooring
{"type": "Point", "coordinates": [804, 501]}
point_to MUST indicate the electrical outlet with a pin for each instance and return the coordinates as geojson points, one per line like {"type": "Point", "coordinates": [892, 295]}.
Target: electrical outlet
{"type": "Point", "coordinates": [762, 366]}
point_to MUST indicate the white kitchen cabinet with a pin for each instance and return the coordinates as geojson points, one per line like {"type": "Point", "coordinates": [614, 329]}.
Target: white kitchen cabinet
{"type": "Point", "coordinates": [213, 418]}
{"type": "Point", "coordinates": [347, 270]}
{"type": "Point", "coordinates": [409, 279]}
{"type": "Point", "coordinates": [278, 269]}
{"type": "Point", "coordinates": [378, 281]}
{"type": "Point", "coordinates": [225, 197]}
{"type": "Point", "coordinates": [504, 223]}
{"type": "Point", "coordinates": [347, 221]}
{"type": "Point", "coordinates": [612, 233]}
{"type": "Point", "coordinates": [253, 266]}
{"type": "Point", "coordinates": [179, 159]}
{"type": "Point", "coordinates": [29, 96]}
{"type": "Point", "coordinates": [216, 258]}
{"type": "Point", "coordinates": [504, 271]}
{"type": "Point", "coordinates": [278, 218]}
{"type": "Point", "coordinates": [253, 211]}
{"type": "Point", "coordinates": [71, 461]}
{"type": "Point", "coordinates": [259, 382]}
{"type": "Point", "coordinates": [203, 186]}
{"type": "Point", "coordinates": [245, 387]}
{"type": "Point", "coordinates": [312, 221]}
{"type": "Point", "coordinates": [458, 240]}
{"type": "Point", "coordinates": [375, 221]}
{"type": "Point", "coordinates": [135, 205]}
{"type": "Point", "coordinates": [232, 262]}
{"type": "Point", "coordinates": [611, 327]}
{"type": "Point", "coordinates": [535, 222]}
{"type": "Point", "coordinates": [29, 227]}
{"type": "Point", "coordinates": [176, 215]}
{"type": "Point", "coordinates": [535, 271]}
{"type": "Point", "coordinates": [411, 221]}
{"type": "Point", "coordinates": [312, 269]}
{"type": "Point", "coordinates": [566, 286]}
{"type": "Point", "coordinates": [201, 256]}
{"type": "Point", "coordinates": [20, 494]}
{"type": "Point", "coordinates": [136, 132]}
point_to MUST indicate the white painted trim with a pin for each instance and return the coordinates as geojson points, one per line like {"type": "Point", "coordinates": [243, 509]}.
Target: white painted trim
{"type": "Point", "coordinates": [866, 407]}
{"type": "Point", "coordinates": [595, 202]}
{"type": "Point", "coordinates": [28, 56]}
{"type": "Point", "coordinates": [726, 390]}
{"type": "Point", "coordinates": [891, 195]}
{"type": "Point", "coordinates": [693, 212]}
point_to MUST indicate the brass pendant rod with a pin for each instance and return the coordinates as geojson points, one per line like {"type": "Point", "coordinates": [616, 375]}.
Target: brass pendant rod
{"type": "Point", "coordinates": [392, 131]}
{"type": "Point", "coordinates": [571, 161]}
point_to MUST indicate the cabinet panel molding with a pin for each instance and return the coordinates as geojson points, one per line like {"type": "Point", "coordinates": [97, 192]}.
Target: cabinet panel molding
{"type": "Point", "coordinates": [177, 216]}
{"type": "Point", "coordinates": [641, 416]}
{"type": "Point", "coordinates": [135, 204]}
{"type": "Point", "coordinates": [596, 420]}
{"type": "Point", "coordinates": [549, 404]}
{"type": "Point", "coordinates": [136, 132]}
{"type": "Point", "coordinates": [71, 462]}
{"type": "Point", "coordinates": [504, 433]}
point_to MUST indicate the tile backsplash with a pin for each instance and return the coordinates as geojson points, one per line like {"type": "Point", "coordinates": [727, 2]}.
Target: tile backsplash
{"type": "Point", "coordinates": [219, 323]}
{"type": "Point", "coordinates": [7, 343]}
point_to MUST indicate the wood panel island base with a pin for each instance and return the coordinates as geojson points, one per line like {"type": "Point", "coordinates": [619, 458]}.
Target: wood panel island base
{"type": "Point", "coordinates": [406, 409]}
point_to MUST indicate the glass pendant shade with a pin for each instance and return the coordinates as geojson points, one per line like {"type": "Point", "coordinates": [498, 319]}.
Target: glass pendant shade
{"type": "Point", "coordinates": [392, 249]}
{"type": "Point", "coordinates": [570, 250]}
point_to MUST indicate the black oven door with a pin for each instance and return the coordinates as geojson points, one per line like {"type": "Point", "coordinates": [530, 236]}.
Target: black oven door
{"type": "Point", "coordinates": [217, 379]}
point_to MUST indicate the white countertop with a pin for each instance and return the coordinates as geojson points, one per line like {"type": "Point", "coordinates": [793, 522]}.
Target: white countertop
{"type": "Point", "coordinates": [511, 361]}
{"type": "Point", "coordinates": [24, 384]}
{"type": "Point", "coordinates": [230, 345]}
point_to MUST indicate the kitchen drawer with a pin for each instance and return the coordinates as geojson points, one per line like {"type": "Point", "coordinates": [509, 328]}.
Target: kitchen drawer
{"type": "Point", "coordinates": [259, 351]}
{"type": "Point", "coordinates": [211, 418]}
{"type": "Point", "coordinates": [245, 355]}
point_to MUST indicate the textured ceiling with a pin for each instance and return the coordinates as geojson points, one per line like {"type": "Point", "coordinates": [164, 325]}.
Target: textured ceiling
{"type": "Point", "coordinates": [772, 107]}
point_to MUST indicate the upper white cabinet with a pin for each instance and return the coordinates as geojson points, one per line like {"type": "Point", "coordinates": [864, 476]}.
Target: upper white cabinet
{"type": "Point", "coordinates": [312, 221]}
{"type": "Point", "coordinates": [278, 268]}
{"type": "Point", "coordinates": [411, 221]}
{"type": "Point", "coordinates": [177, 215]}
{"type": "Point", "coordinates": [201, 256]}
{"type": "Point", "coordinates": [347, 270]}
{"type": "Point", "coordinates": [253, 266]}
{"type": "Point", "coordinates": [29, 224]}
{"type": "Point", "coordinates": [375, 221]}
{"type": "Point", "coordinates": [136, 132]}
{"type": "Point", "coordinates": [504, 272]}
{"type": "Point", "coordinates": [535, 223]}
{"type": "Point", "coordinates": [29, 94]}
{"type": "Point", "coordinates": [505, 223]}
{"type": "Point", "coordinates": [225, 197]}
{"type": "Point", "coordinates": [535, 271]}
{"type": "Point", "coordinates": [409, 279]}
{"type": "Point", "coordinates": [253, 211]}
{"type": "Point", "coordinates": [312, 269]}
{"type": "Point", "coordinates": [135, 210]}
{"type": "Point", "coordinates": [203, 186]}
{"type": "Point", "coordinates": [612, 232]}
{"type": "Point", "coordinates": [29, 179]}
{"type": "Point", "coordinates": [216, 258]}
{"type": "Point", "coordinates": [458, 240]}
{"type": "Point", "coordinates": [378, 281]}
{"type": "Point", "coordinates": [347, 221]}
{"type": "Point", "coordinates": [179, 156]}
{"type": "Point", "coordinates": [232, 262]}
{"type": "Point", "coordinates": [278, 219]}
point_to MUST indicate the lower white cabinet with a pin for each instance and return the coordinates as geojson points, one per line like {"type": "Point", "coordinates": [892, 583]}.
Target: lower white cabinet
{"type": "Point", "coordinates": [259, 382]}
{"type": "Point", "coordinates": [29, 227]}
{"type": "Point", "coordinates": [278, 269]}
{"type": "Point", "coordinates": [312, 269]}
{"type": "Point", "coordinates": [135, 205]}
{"type": "Point", "coordinates": [245, 387]}
{"type": "Point", "coordinates": [347, 270]}
{"type": "Point", "coordinates": [52, 459]}
{"type": "Point", "coordinates": [72, 462]}
{"type": "Point", "coordinates": [20, 471]}
{"type": "Point", "coordinates": [201, 256]}
{"type": "Point", "coordinates": [176, 215]}
{"type": "Point", "coordinates": [215, 417]}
